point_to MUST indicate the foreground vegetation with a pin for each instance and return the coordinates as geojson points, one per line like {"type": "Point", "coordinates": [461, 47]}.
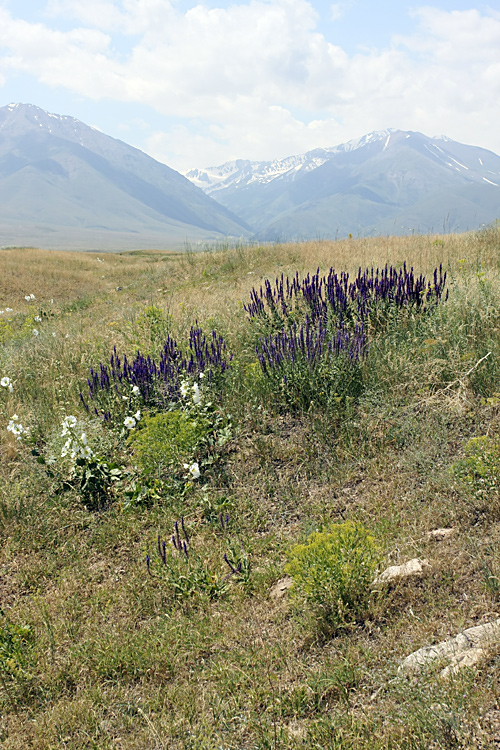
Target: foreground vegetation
{"type": "Point", "coordinates": [144, 527]}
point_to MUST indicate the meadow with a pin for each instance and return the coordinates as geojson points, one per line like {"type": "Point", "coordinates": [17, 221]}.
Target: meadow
{"type": "Point", "coordinates": [206, 458]}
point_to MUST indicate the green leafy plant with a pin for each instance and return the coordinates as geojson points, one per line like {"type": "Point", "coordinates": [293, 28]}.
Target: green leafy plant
{"type": "Point", "coordinates": [191, 575]}
{"type": "Point", "coordinates": [167, 441]}
{"type": "Point", "coordinates": [186, 574]}
{"type": "Point", "coordinates": [332, 573]}
{"type": "Point", "coordinates": [181, 442]}
{"type": "Point", "coordinates": [78, 466]}
{"type": "Point", "coordinates": [14, 644]}
{"type": "Point", "coordinates": [480, 467]}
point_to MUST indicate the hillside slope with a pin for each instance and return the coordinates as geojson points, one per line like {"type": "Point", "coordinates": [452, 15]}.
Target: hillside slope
{"type": "Point", "coordinates": [386, 182]}
{"type": "Point", "coordinates": [65, 184]}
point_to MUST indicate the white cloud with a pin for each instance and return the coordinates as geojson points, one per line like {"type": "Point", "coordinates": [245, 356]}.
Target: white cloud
{"type": "Point", "coordinates": [338, 10]}
{"type": "Point", "coordinates": [257, 80]}
{"type": "Point", "coordinates": [134, 17]}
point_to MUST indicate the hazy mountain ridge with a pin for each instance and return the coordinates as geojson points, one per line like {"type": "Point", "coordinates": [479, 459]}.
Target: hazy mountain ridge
{"type": "Point", "coordinates": [388, 181]}
{"type": "Point", "coordinates": [65, 182]}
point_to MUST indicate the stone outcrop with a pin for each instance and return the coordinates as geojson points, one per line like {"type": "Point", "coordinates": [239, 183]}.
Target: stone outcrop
{"type": "Point", "coordinates": [464, 650]}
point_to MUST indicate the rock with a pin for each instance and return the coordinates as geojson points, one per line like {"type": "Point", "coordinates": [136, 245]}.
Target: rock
{"type": "Point", "coordinates": [439, 534]}
{"type": "Point", "coordinates": [281, 587]}
{"type": "Point", "coordinates": [410, 568]}
{"type": "Point", "coordinates": [465, 659]}
{"type": "Point", "coordinates": [464, 650]}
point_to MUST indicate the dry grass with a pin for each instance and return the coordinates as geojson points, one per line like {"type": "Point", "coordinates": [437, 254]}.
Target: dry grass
{"type": "Point", "coordinates": [112, 662]}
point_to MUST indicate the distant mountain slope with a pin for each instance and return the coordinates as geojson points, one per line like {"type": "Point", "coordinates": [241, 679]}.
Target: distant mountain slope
{"type": "Point", "coordinates": [64, 184]}
{"type": "Point", "coordinates": [386, 182]}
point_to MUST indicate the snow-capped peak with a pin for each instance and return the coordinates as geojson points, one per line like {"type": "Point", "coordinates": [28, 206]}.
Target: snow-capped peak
{"type": "Point", "coordinates": [245, 172]}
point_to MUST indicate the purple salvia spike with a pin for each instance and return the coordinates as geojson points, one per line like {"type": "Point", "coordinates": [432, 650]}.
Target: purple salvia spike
{"type": "Point", "coordinates": [184, 530]}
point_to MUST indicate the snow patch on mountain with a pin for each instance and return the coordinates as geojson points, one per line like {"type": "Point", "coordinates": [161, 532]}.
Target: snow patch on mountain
{"type": "Point", "coordinates": [241, 173]}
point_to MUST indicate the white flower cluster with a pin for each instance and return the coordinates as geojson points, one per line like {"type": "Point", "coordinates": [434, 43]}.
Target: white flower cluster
{"type": "Point", "coordinates": [29, 297]}
{"type": "Point", "coordinates": [16, 427]}
{"type": "Point", "coordinates": [131, 422]}
{"type": "Point", "coordinates": [75, 446]}
{"type": "Point", "coordinates": [6, 382]}
{"type": "Point", "coordinates": [7, 310]}
{"type": "Point", "coordinates": [186, 387]}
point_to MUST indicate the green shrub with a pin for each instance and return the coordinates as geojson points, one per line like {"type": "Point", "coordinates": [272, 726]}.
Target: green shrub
{"type": "Point", "coordinates": [480, 467]}
{"type": "Point", "coordinates": [332, 573]}
{"type": "Point", "coordinates": [167, 441]}
{"type": "Point", "coordinates": [15, 641]}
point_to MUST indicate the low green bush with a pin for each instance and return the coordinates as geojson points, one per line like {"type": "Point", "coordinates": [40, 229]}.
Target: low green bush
{"type": "Point", "coordinates": [480, 466]}
{"type": "Point", "coordinates": [167, 441]}
{"type": "Point", "coordinates": [332, 573]}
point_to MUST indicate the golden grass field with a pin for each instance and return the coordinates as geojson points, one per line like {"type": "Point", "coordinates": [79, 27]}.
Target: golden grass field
{"type": "Point", "coordinates": [96, 653]}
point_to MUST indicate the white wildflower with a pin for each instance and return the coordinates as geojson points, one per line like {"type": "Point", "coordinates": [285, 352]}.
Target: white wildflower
{"type": "Point", "coordinates": [6, 382]}
{"type": "Point", "coordinates": [184, 388]}
{"type": "Point", "coordinates": [9, 309]}
{"type": "Point", "coordinates": [15, 428]}
{"type": "Point", "coordinates": [66, 447]}
{"type": "Point", "coordinates": [37, 319]}
{"type": "Point", "coordinates": [193, 469]}
{"type": "Point", "coordinates": [36, 332]}
{"type": "Point", "coordinates": [68, 423]}
{"type": "Point", "coordinates": [136, 390]}
{"type": "Point", "coordinates": [87, 452]}
{"type": "Point", "coordinates": [137, 415]}
{"type": "Point", "coordinates": [196, 394]}
{"type": "Point", "coordinates": [129, 422]}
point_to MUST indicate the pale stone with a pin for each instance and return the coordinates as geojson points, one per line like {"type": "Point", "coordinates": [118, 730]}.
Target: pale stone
{"type": "Point", "coordinates": [466, 659]}
{"type": "Point", "coordinates": [410, 568]}
{"type": "Point", "coordinates": [480, 638]}
{"type": "Point", "coordinates": [439, 534]}
{"type": "Point", "coordinates": [281, 587]}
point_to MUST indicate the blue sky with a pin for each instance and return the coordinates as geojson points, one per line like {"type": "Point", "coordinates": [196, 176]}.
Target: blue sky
{"type": "Point", "coordinates": [201, 83]}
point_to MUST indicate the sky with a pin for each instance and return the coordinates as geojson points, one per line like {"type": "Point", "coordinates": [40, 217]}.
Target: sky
{"type": "Point", "coordinates": [196, 84]}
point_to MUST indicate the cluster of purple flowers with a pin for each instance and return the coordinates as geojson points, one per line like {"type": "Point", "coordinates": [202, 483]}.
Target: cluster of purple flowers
{"type": "Point", "coordinates": [337, 295]}
{"type": "Point", "coordinates": [159, 381]}
{"type": "Point", "coordinates": [309, 343]}
{"type": "Point", "coordinates": [315, 329]}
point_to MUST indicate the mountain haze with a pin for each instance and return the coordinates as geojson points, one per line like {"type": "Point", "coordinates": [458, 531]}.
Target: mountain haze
{"type": "Point", "coordinates": [388, 182]}
{"type": "Point", "coordinates": [65, 184]}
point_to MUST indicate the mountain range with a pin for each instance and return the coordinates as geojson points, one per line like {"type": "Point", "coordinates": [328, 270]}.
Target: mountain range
{"type": "Point", "coordinates": [388, 182]}
{"type": "Point", "coordinates": [64, 184]}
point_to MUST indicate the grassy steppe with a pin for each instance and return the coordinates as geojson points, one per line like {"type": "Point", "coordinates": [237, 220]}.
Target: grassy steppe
{"type": "Point", "coordinates": [95, 652]}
